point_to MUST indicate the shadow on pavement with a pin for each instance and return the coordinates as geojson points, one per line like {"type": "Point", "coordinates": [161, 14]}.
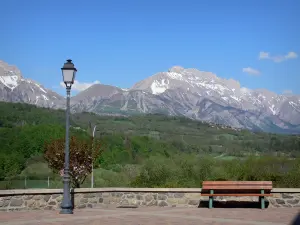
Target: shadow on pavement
{"type": "Point", "coordinates": [296, 220]}
{"type": "Point", "coordinates": [72, 198]}
{"type": "Point", "coordinates": [233, 204]}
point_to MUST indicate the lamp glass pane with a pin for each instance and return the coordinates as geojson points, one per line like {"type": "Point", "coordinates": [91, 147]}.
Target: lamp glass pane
{"type": "Point", "coordinates": [74, 75]}
{"type": "Point", "coordinates": [68, 76]}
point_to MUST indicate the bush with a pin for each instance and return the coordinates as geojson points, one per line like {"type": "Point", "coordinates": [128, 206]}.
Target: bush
{"type": "Point", "coordinates": [189, 171]}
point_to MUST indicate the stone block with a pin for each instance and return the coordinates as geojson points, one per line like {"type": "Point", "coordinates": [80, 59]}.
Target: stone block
{"type": "Point", "coordinates": [170, 194]}
{"type": "Point", "coordinates": [162, 197]}
{"type": "Point", "coordinates": [29, 203]}
{"type": "Point", "coordinates": [148, 197]}
{"type": "Point", "coordinates": [116, 200]}
{"type": "Point", "coordinates": [84, 200]}
{"type": "Point", "coordinates": [132, 201]}
{"type": "Point", "coordinates": [289, 196]}
{"type": "Point", "coordinates": [280, 201]}
{"type": "Point", "coordinates": [193, 202]}
{"type": "Point", "coordinates": [77, 201]}
{"type": "Point", "coordinates": [42, 203]}
{"type": "Point", "coordinates": [52, 203]}
{"type": "Point", "coordinates": [59, 198]}
{"type": "Point", "coordinates": [124, 202]}
{"type": "Point", "coordinates": [54, 196]}
{"type": "Point", "coordinates": [172, 200]}
{"type": "Point", "coordinates": [89, 195]}
{"type": "Point", "coordinates": [293, 201]}
{"type": "Point", "coordinates": [99, 194]}
{"type": "Point", "coordinates": [182, 201]}
{"type": "Point", "coordinates": [179, 195]}
{"type": "Point", "coordinates": [105, 194]}
{"type": "Point", "coordinates": [47, 197]}
{"type": "Point", "coordinates": [117, 194]}
{"type": "Point", "coordinates": [27, 197]}
{"type": "Point", "coordinates": [38, 197]}
{"type": "Point", "coordinates": [82, 206]}
{"type": "Point", "coordinates": [16, 202]}
{"type": "Point", "coordinates": [106, 201]}
{"type": "Point", "coordinates": [152, 203]}
{"type": "Point", "coordinates": [276, 195]}
{"type": "Point", "coordinates": [130, 195]}
{"type": "Point", "coordinates": [192, 196]}
{"type": "Point", "coordinates": [162, 203]}
{"type": "Point", "coordinates": [139, 197]}
{"type": "Point", "coordinates": [49, 207]}
{"type": "Point", "coordinates": [4, 203]}
{"type": "Point", "coordinates": [93, 200]}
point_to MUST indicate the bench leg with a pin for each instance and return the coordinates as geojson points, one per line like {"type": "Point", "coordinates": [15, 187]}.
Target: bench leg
{"type": "Point", "coordinates": [262, 199]}
{"type": "Point", "coordinates": [211, 199]}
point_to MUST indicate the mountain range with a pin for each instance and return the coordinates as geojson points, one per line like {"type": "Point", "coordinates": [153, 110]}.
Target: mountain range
{"type": "Point", "coordinates": [178, 92]}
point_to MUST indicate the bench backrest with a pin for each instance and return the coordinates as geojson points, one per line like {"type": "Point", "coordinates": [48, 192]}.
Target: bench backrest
{"type": "Point", "coordinates": [250, 186]}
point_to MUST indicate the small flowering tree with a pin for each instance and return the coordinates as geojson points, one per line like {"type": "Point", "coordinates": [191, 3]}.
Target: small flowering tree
{"type": "Point", "coordinates": [82, 154]}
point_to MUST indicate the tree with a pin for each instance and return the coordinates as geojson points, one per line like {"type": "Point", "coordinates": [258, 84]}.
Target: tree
{"type": "Point", "coordinates": [82, 154]}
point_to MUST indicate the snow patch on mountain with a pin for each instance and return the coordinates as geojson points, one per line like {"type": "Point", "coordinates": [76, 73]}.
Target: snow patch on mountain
{"type": "Point", "coordinates": [273, 110]}
{"type": "Point", "coordinates": [235, 98]}
{"type": "Point", "coordinates": [39, 86]}
{"type": "Point", "coordinates": [293, 104]}
{"type": "Point", "coordinates": [159, 87]}
{"type": "Point", "coordinates": [9, 81]}
{"type": "Point", "coordinates": [45, 97]}
{"type": "Point", "coordinates": [174, 75]}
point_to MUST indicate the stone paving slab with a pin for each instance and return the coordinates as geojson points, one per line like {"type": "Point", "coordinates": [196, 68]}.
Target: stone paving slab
{"type": "Point", "coordinates": [154, 215]}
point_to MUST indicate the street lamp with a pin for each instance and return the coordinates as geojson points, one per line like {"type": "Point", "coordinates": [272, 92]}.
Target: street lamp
{"type": "Point", "coordinates": [68, 73]}
{"type": "Point", "coordinates": [92, 175]}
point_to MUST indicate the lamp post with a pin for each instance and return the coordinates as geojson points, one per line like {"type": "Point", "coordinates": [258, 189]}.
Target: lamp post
{"type": "Point", "coordinates": [92, 175]}
{"type": "Point", "coordinates": [68, 73]}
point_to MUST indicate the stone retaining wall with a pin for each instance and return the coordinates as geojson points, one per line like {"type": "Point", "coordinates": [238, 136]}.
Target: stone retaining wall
{"type": "Point", "coordinates": [50, 199]}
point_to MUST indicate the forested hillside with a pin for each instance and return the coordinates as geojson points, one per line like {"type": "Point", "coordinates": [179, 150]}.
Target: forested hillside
{"type": "Point", "coordinates": [133, 145]}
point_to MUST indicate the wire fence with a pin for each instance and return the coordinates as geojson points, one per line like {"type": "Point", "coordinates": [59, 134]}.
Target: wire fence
{"type": "Point", "coordinates": [30, 183]}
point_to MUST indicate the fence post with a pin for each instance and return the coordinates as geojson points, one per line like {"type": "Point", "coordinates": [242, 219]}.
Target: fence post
{"type": "Point", "coordinates": [48, 182]}
{"type": "Point", "coordinates": [25, 182]}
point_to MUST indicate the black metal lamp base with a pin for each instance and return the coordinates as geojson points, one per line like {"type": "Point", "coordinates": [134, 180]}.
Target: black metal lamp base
{"type": "Point", "coordinates": [66, 211]}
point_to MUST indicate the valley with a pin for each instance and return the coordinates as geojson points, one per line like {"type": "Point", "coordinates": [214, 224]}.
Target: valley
{"type": "Point", "coordinates": [143, 150]}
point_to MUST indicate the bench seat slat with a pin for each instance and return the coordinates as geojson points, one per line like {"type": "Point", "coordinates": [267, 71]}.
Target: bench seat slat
{"type": "Point", "coordinates": [238, 182]}
{"type": "Point", "coordinates": [233, 187]}
{"type": "Point", "coordinates": [236, 195]}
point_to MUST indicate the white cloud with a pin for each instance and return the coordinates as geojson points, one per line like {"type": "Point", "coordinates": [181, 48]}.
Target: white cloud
{"type": "Point", "coordinates": [264, 55]}
{"type": "Point", "coordinates": [277, 58]}
{"type": "Point", "coordinates": [291, 55]}
{"type": "Point", "coordinates": [78, 86]}
{"type": "Point", "coordinates": [251, 71]}
{"type": "Point", "coordinates": [287, 92]}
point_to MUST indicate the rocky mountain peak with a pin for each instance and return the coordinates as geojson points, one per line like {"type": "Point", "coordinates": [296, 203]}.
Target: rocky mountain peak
{"type": "Point", "coordinates": [9, 70]}
{"type": "Point", "coordinates": [233, 84]}
{"type": "Point", "coordinates": [15, 88]}
{"type": "Point", "coordinates": [97, 91]}
{"type": "Point", "coordinates": [176, 69]}
{"type": "Point", "coordinates": [9, 75]}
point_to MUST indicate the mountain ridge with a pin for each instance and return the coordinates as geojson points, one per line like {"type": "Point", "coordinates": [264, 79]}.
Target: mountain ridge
{"type": "Point", "coordinates": [180, 91]}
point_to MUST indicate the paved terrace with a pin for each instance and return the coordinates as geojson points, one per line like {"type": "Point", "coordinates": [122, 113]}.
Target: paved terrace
{"type": "Point", "coordinates": [154, 215]}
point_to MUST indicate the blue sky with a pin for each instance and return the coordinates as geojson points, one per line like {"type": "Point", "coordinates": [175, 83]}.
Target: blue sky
{"type": "Point", "coordinates": [120, 42]}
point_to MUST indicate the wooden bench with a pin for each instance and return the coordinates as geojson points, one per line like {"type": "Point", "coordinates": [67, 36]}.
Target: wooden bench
{"type": "Point", "coordinates": [237, 188]}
